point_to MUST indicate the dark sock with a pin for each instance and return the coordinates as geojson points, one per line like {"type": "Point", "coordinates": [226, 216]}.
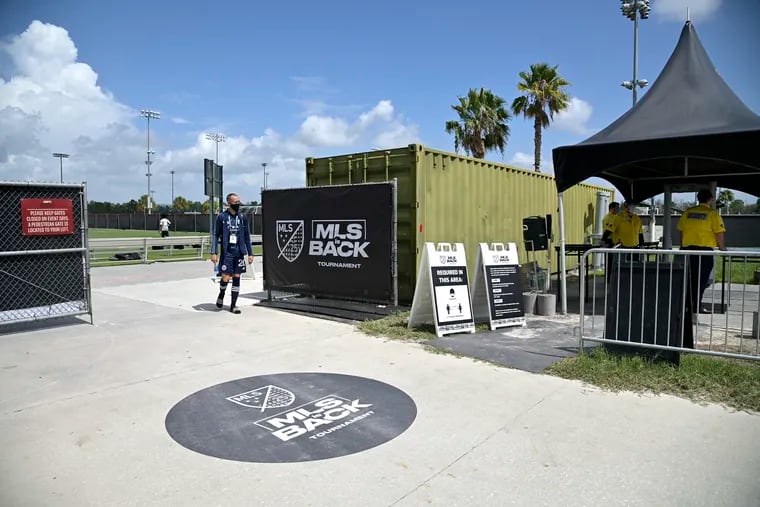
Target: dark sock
{"type": "Point", "coordinates": [235, 291]}
{"type": "Point", "coordinates": [222, 290]}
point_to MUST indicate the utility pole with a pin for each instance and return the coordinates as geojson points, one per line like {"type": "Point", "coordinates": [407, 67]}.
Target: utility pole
{"type": "Point", "coordinates": [172, 173]}
{"type": "Point", "coordinates": [61, 156]}
{"type": "Point", "coordinates": [218, 138]}
{"type": "Point", "coordinates": [148, 114]}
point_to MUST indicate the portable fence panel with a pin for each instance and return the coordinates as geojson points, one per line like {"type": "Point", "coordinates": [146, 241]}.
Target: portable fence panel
{"type": "Point", "coordinates": [43, 251]}
{"type": "Point", "coordinates": [699, 301]}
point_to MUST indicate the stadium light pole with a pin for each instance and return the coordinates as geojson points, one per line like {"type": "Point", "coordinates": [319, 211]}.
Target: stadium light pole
{"type": "Point", "coordinates": [60, 157]}
{"type": "Point", "coordinates": [148, 114]}
{"type": "Point", "coordinates": [635, 10]}
{"type": "Point", "coordinates": [172, 173]}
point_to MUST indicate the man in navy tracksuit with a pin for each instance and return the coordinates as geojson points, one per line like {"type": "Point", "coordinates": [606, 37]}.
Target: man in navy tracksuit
{"type": "Point", "coordinates": [231, 232]}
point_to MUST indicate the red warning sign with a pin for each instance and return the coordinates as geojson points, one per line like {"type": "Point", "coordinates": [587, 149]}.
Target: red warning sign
{"type": "Point", "coordinates": [47, 217]}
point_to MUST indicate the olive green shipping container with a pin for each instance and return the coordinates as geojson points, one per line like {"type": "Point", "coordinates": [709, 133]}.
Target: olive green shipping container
{"type": "Point", "coordinates": [445, 197]}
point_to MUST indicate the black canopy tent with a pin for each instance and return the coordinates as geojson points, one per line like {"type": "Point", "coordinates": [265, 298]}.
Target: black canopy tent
{"type": "Point", "coordinates": [689, 125]}
{"type": "Point", "coordinates": [690, 128]}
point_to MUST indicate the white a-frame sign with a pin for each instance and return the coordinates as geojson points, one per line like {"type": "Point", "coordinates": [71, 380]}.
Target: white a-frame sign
{"type": "Point", "coordinates": [442, 293]}
{"type": "Point", "coordinates": [496, 291]}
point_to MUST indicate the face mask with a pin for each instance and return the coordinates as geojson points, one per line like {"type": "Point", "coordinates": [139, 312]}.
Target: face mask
{"type": "Point", "coordinates": [235, 207]}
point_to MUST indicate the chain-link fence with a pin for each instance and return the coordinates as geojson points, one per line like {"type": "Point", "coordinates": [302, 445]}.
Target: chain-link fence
{"type": "Point", "coordinates": [44, 267]}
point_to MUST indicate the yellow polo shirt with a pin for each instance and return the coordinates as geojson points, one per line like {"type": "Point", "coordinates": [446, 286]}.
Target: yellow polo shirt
{"type": "Point", "coordinates": [607, 225]}
{"type": "Point", "coordinates": [626, 228]}
{"type": "Point", "coordinates": [698, 226]}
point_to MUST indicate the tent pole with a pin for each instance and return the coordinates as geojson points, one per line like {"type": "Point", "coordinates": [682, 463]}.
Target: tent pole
{"type": "Point", "coordinates": [562, 274]}
{"type": "Point", "coordinates": [667, 221]}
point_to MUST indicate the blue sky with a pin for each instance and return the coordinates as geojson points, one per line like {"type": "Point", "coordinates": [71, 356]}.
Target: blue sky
{"type": "Point", "coordinates": [284, 81]}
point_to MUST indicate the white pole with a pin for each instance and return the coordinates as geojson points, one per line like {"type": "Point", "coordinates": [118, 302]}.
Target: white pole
{"type": "Point", "coordinates": [667, 221]}
{"type": "Point", "coordinates": [562, 276]}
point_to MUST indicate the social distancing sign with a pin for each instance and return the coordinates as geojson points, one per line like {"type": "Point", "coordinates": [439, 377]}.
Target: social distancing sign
{"type": "Point", "coordinates": [497, 291]}
{"type": "Point", "coordinates": [442, 294]}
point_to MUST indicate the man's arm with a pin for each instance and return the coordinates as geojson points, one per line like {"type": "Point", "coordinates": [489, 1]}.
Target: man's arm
{"type": "Point", "coordinates": [720, 237]}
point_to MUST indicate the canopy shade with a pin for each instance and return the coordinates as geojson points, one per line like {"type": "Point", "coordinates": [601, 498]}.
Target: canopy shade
{"type": "Point", "coordinates": [689, 128]}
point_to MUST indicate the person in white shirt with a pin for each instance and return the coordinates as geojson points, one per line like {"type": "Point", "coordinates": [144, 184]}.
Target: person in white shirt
{"type": "Point", "coordinates": [163, 226]}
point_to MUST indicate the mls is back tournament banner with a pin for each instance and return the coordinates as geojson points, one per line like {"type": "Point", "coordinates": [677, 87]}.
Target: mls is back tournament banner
{"type": "Point", "coordinates": [329, 241]}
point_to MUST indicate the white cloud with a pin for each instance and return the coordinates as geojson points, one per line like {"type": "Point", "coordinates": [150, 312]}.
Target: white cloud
{"type": "Point", "coordinates": [383, 111]}
{"type": "Point", "coordinates": [525, 161]}
{"type": "Point", "coordinates": [397, 135]}
{"type": "Point", "coordinates": [325, 131]}
{"type": "Point", "coordinates": [575, 118]}
{"type": "Point", "coordinates": [53, 103]}
{"type": "Point", "coordinates": [675, 10]}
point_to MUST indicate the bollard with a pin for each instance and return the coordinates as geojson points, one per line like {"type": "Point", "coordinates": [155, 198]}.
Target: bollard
{"type": "Point", "coordinates": [756, 325]}
{"type": "Point", "coordinates": [546, 304]}
{"type": "Point", "coordinates": [529, 302]}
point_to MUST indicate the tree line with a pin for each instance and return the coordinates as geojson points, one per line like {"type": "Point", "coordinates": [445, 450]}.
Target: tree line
{"type": "Point", "coordinates": [180, 205]}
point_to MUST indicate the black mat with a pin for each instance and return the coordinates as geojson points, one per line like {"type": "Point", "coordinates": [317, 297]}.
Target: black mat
{"type": "Point", "coordinates": [532, 348]}
{"type": "Point", "coordinates": [335, 309]}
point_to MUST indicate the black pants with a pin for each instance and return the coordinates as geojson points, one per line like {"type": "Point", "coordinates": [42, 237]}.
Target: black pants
{"type": "Point", "coordinates": [700, 267]}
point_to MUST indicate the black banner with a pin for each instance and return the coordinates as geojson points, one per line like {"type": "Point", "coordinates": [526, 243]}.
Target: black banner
{"type": "Point", "coordinates": [503, 283]}
{"type": "Point", "coordinates": [331, 241]}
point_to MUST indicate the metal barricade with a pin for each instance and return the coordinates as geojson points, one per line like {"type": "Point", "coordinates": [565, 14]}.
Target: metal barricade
{"type": "Point", "coordinates": [44, 267]}
{"type": "Point", "coordinates": [696, 301]}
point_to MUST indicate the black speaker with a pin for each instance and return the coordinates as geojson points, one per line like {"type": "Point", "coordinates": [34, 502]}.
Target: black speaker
{"type": "Point", "coordinates": [534, 233]}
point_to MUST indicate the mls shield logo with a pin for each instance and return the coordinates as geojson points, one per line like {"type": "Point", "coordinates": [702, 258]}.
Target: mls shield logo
{"type": "Point", "coordinates": [290, 239]}
{"type": "Point", "coordinates": [264, 397]}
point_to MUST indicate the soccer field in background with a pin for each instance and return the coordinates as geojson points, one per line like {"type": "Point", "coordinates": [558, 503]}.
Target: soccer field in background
{"type": "Point", "coordinates": [128, 233]}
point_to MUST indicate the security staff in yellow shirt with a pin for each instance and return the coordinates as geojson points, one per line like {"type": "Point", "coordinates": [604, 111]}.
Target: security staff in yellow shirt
{"type": "Point", "coordinates": [627, 228]}
{"type": "Point", "coordinates": [701, 228]}
{"type": "Point", "coordinates": [608, 239]}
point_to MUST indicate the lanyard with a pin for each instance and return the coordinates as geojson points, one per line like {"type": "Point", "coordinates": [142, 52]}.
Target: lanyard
{"type": "Point", "coordinates": [230, 227]}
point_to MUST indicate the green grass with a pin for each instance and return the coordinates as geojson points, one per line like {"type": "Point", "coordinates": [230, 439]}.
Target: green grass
{"type": "Point", "coordinates": [395, 328]}
{"type": "Point", "coordinates": [729, 382]}
{"type": "Point", "coordinates": [128, 233]}
{"type": "Point", "coordinates": [166, 255]}
{"type": "Point", "coordinates": [738, 274]}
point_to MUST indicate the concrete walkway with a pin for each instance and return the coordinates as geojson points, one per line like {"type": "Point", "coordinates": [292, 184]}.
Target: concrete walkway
{"type": "Point", "coordinates": [83, 409]}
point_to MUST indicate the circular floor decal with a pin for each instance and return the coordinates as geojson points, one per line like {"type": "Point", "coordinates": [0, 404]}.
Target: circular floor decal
{"type": "Point", "coordinates": [290, 417]}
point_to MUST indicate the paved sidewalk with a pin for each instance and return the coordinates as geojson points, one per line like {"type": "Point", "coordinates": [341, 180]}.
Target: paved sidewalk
{"type": "Point", "coordinates": [83, 411]}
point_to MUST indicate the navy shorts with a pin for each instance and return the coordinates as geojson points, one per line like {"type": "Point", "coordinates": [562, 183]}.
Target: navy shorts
{"type": "Point", "coordinates": [232, 265]}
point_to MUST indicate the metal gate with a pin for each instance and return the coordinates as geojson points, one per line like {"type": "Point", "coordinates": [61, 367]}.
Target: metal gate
{"type": "Point", "coordinates": [44, 266]}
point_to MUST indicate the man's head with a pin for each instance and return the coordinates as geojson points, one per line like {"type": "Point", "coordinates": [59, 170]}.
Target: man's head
{"type": "Point", "coordinates": [614, 207]}
{"type": "Point", "coordinates": [233, 201]}
{"type": "Point", "coordinates": [704, 196]}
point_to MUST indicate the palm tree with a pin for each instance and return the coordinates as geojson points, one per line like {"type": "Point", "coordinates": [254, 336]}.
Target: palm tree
{"type": "Point", "coordinates": [543, 95]}
{"type": "Point", "coordinates": [482, 123]}
{"type": "Point", "coordinates": [142, 203]}
{"type": "Point", "coordinates": [180, 203]}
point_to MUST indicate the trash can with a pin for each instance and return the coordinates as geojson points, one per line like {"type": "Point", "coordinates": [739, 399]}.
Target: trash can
{"type": "Point", "coordinates": [645, 304]}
